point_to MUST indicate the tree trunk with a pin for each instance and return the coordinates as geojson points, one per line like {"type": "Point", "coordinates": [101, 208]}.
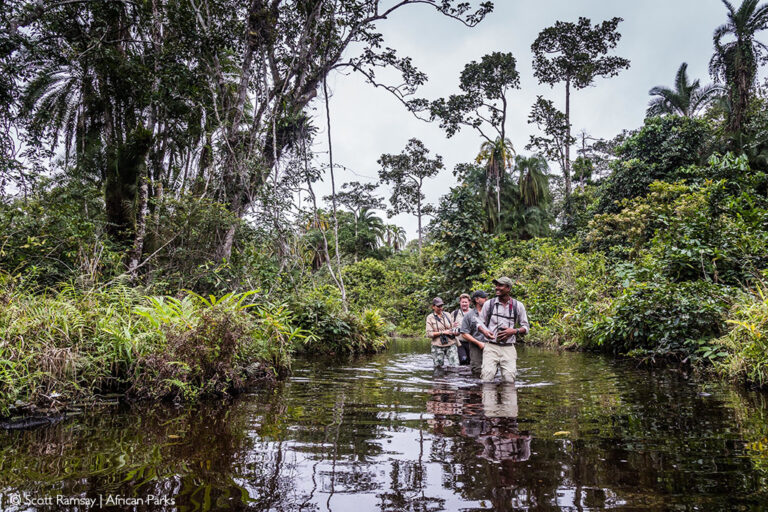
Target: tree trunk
{"type": "Point", "coordinates": [356, 234]}
{"type": "Point", "coordinates": [126, 165]}
{"type": "Point", "coordinates": [134, 257]}
{"type": "Point", "coordinates": [224, 251]}
{"type": "Point", "coordinates": [567, 166]}
{"type": "Point", "coordinates": [740, 103]}
{"type": "Point", "coordinates": [333, 196]}
{"type": "Point", "coordinates": [418, 217]}
{"type": "Point", "coordinates": [498, 200]}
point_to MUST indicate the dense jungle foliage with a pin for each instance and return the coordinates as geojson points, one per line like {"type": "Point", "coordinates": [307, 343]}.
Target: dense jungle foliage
{"type": "Point", "coordinates": [160, 233]}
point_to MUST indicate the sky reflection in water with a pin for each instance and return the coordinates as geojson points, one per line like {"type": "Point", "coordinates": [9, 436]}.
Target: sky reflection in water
{"type": "Point", "coordinates": [577, 432]}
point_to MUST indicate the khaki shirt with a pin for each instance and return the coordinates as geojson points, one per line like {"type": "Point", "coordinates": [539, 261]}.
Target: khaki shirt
{"type": "Point", "coordinates": [502, 317]}
{"type": "Point", "coordinates": [434, 324]}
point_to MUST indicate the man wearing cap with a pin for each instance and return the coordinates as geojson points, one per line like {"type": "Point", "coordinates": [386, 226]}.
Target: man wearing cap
{"type": "Point", "coordinates": [472, 334]}
{"type": "Point", "coordinates": [499, 319]}
{"type": "Point", "coordinates": [440, 331]}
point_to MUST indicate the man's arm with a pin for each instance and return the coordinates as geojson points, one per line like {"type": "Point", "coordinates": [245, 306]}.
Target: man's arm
{"type": "Point", "coordinates": [525, 327]}
{"type": "Point", "coordinates": [481, 321]}
{"type": "Point", "coordinates": [466, 328]}
{"type": "Point", "coordinates": [472, 339]}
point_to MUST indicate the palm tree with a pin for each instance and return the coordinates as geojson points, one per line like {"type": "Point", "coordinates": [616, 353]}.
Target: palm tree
{"type": "Point", "coordinates": [534, 182]}
{"type": "Point", "coordinates": [497, 156]}
{"type": "Point", "coordinates": [532, 210]}
{"type": "Point", "coordinates": [394, 237]}
{"type": "Point", "coordinates": [735, 62]}
{"type": "Point", "coordinates": [61, 99]}
{"type": "Point", "coordinates": [370, 229]}
{"type": "Point", "coordinates": [686, 99]}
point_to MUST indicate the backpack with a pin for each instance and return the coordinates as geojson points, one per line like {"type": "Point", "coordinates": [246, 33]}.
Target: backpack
{"type": "Point", "coordinates": [492, 306]}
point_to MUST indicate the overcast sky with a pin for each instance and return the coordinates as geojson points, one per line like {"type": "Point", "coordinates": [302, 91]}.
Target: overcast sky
{"type": "Point", "coordinates": [657, 36]}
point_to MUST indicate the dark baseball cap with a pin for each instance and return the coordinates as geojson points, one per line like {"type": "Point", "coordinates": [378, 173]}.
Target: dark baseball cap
{"type": "Point", "coordinates": [479, 294]}
{"type": "Point", "coordinates": [437, 301]}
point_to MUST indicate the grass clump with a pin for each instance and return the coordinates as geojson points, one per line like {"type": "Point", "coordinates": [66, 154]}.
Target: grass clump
{"type": "Point", "coordinates": [746, 343]}
{"type": "Point", "coordinates": [72, 344]}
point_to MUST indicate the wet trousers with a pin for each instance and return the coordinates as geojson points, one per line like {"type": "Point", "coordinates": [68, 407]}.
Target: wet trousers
{"type": "Point", "coordinates": [445, 356]}
{"type": "Point", "coordinates": [497, 357]}
{"type": "Point", "coordinates": [475, 359]}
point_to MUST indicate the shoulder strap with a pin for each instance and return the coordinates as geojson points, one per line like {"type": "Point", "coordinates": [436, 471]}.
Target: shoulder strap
{"type": "Point", "coordinates": [513, 307]}
{"type": "Point", "coordinates": [455, 314]}
{"type": "Point", "coordinates": [491, 304]}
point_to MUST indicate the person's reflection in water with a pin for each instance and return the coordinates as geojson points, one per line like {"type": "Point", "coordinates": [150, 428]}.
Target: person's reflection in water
{"type": "Point", "coordinates": [442, 404]}
{"type": "Point", "coordinates": [500, 435]}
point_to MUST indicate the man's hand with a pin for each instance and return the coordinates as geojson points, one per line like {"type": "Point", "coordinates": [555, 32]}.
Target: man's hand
{"type": "Point", "coordinates": [488, 334]}
{"type": "Point", "coordinates": [507, 333]}
{"type": "Point", "coordinates": [481, 345]}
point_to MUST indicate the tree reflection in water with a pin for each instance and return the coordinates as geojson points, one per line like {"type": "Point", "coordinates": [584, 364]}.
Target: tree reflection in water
{"type": "Point", "coordinates": [384, 433]}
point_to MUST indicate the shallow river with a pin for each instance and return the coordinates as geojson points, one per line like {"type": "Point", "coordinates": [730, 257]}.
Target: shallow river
{"type": "Point", "coordinates": [577, 432]}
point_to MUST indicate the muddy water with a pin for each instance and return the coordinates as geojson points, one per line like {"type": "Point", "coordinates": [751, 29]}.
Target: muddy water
{"type": "Point", "coordinates": [577, 432]}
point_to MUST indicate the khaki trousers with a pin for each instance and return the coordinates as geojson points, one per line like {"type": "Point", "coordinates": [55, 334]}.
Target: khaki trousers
{"type": "Point", "coordinates": [497, 357]}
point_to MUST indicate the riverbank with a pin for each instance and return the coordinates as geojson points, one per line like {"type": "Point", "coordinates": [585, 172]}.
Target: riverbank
{"type": "Point", "coordinates": [58, 346]}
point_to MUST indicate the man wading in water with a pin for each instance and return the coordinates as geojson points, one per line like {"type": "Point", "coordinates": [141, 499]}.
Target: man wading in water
{"type": "Point", "coordinates": [498, 319]}
{"type": "Point", "coordinates": [440, 331]}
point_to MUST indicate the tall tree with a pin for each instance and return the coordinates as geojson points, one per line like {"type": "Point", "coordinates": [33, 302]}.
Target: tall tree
{"type": "Point", "coordinates": [736, 61]}
{"type": "Point", "coordinates": [533, 180]}
{"type": "Point", "coordinates": [457, 227]}
{"type": "Point", "coordinates": [685, 99]}
{"type": "Point", "coordinates": [482, 106]}
{"type": "Point", "coordinates": [406, 173]}
{"type": "Point", "coordinates": [557, 137]}
{"type": "Point", "coordinates": [221, 86]}
{"type": "Point", "coordinates": [369, 231]}
{"type": "Point", "coordinates": [576, 54]}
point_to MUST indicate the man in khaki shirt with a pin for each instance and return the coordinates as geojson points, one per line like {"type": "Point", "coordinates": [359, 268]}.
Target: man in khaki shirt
{"type": "Point", "coordinates": [502, 314]}
{"type": "Point", "coordinates": [440, 331]}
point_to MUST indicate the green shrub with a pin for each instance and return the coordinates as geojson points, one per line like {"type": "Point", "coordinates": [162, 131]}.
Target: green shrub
{"type": "Point", "coordinates": [275, 337]}
{"type": "Point", "coordinates": [373, 330]}
{"type": "Point", "coordinates": [398, 287]}
{"type": "Point", "coordinates": [746, 343]}
{"type": "Point", "coordinates": [320, 311]}
{"type": "Point", "coordinates": [73, 344]}
{"type": "Point", "coordinates": [661, 149]}
{"type": "Point", "coordinates": [661, 317]}
{"type": "Point", "coordinates": [56, 235]}
{"type": "Point", "coordinates": [195, 360]}
{"type": "Point", "coordinates": [553, 278]}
